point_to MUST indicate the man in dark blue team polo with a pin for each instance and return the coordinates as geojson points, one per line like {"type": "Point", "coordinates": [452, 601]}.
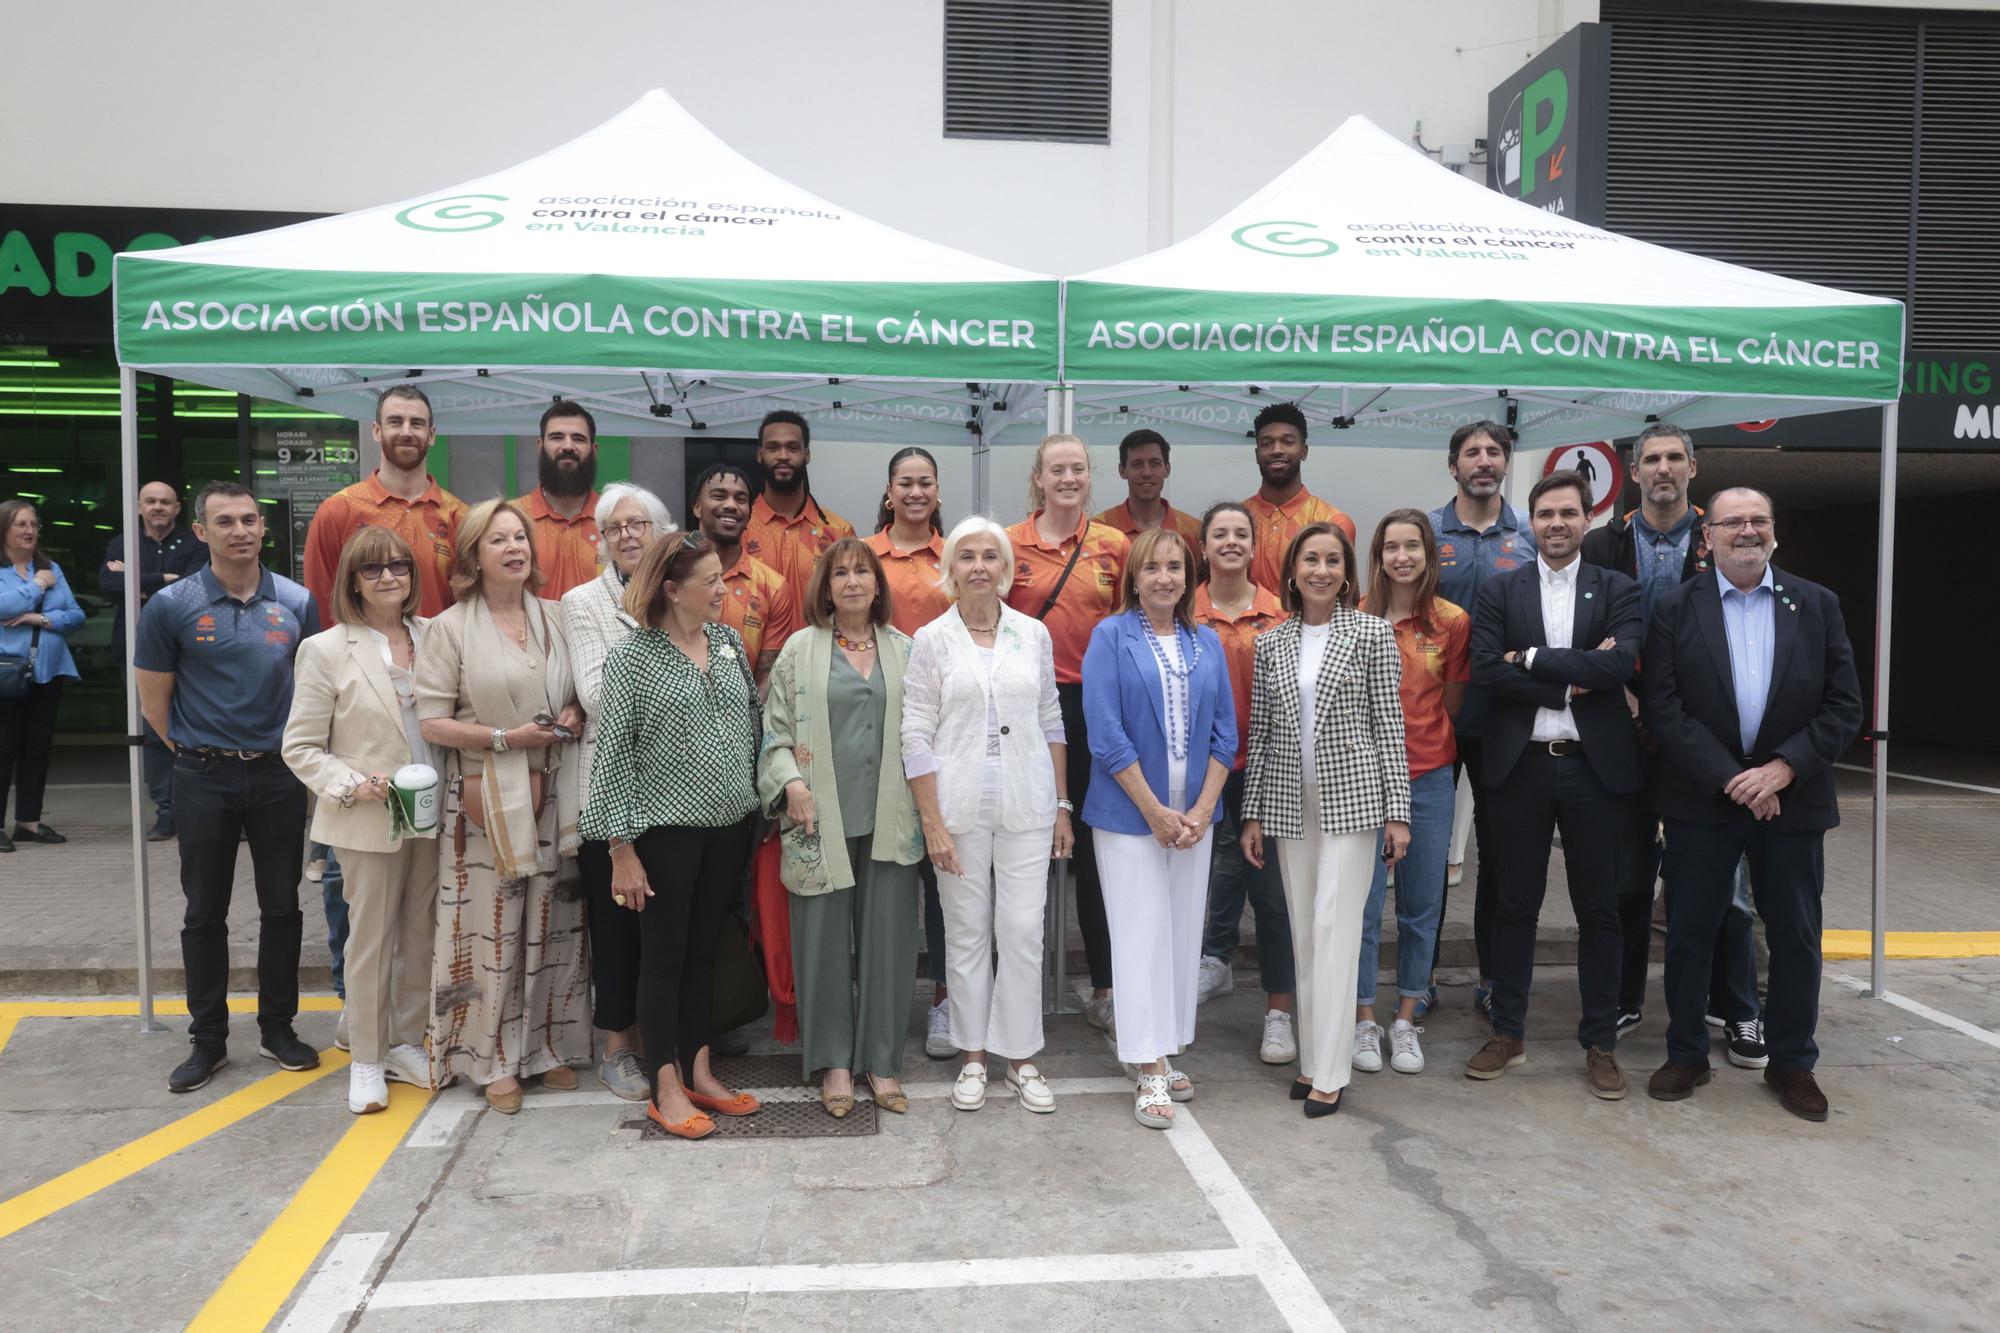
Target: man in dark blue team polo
{"type": "Point", "coordinates": [215, 678]}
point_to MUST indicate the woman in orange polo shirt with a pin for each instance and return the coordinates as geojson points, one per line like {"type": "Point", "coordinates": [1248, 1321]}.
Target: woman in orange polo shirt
{"type": "Point", "coordinates": [1067, 574]}
{"type": "Point", "coordinates": [1433, 637]}
{"type": "Point", "coordinates": [909, 540]}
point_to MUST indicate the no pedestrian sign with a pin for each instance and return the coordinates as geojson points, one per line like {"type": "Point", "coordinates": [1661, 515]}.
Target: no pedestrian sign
{"type": "Point", "coordinates": [1597, 463]}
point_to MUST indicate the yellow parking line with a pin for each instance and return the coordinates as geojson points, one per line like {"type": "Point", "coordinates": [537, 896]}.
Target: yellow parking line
{"type": "Point", "coordinates": [251, 1296]}
{"type": "Point", "coordinates": [7, 1022]}
{"type": "Point", "coordinates": [120, 1163]}
{"type": "Point", "coordinates": [1852, 944]}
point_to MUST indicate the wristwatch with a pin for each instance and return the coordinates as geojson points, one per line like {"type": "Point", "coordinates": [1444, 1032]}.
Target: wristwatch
{"type": "Point", "coordinates": [499, 739]}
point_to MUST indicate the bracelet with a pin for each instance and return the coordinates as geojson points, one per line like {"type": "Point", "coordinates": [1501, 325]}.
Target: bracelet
{"type": "Point", "coordinates": [499, 740]}
{"type": "Point", "coordinates": [1063, 804]}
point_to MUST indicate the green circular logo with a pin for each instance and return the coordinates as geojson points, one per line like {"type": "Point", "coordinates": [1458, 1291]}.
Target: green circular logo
{"type": "Point", "coordinates": [453, 213]}
{"type": "Point", "coordinates": [1273, 238]}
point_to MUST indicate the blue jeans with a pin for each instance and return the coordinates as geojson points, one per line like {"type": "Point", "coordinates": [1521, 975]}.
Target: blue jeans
{"type": "Point", "coordinates": [1419, 891]}
{"type": "Point", "coordinates": [334, 902]}
{"type": "Point", "coordinates": [1233, 880]}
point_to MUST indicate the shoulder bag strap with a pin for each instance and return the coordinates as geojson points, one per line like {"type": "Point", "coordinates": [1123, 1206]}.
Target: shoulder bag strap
{"type": "Point", "coordinates": [1056, 591]}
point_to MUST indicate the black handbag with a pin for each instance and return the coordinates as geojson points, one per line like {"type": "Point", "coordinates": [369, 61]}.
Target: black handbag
{"type": "Point", "coordinates": [17, 674]}
{"type": "Point", "coordinates": [740, 994]}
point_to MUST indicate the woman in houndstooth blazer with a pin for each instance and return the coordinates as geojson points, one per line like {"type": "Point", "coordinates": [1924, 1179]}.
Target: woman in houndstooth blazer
{"type": "Point", "coordinates": [1324, 775]}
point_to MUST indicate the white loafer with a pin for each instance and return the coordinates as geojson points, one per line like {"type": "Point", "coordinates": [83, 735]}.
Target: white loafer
{"type": "Point", "coordinates": [1028, 1084]}
{"type": "Point", "coordinates": [969, 1092]}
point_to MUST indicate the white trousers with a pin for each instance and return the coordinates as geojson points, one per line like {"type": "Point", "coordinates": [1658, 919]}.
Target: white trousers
{"type": "Point", "coordinates": [1156, 901]}
{"type": "Point", "coordinates": [1327, 877]}
{"type": "Point", "coordinates": [996, 907]}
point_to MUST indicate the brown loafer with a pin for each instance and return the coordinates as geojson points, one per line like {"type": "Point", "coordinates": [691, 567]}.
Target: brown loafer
{"type": "Point", "coordinates": [1798, 1092]}
{"type": "Point", "coordinates": [1607, 1080]}
{"type": "Point", "coordinates": [1676, 1083]}
{"type": "Point", "coordinates": [506, 1103]}
{"type": "Point", "coordinates": [561, 1079]}
{"type": "Point", "coordinates": [1496, 1057]}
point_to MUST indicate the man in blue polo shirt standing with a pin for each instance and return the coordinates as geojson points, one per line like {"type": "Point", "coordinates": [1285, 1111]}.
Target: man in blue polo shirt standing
{"type": "Point", "coordinates": [1480, 537]}
{"type": "Point", "coordinates": [214, 665]}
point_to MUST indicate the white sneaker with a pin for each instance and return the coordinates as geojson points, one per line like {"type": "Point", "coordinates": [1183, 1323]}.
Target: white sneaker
{"type": "Point", "coordinates": [1280, 1046]}
{"type": "Point", "coordinates": [1217, 978]}
{"type": "Point", "coordinates": [1406, 1056]}
{"type": "Point", "coordinates": [407, 1064]}
{"type": "Point", "coordinates": [366, 1090]}
{"type": "Point", "coordinates": [938, 1044]}
{"type": "Point", "coordinates": [1368, 1047]}
{"type": "Point", "coordinates": [1100, 1014]}
{"type": "Point", "coordinates": [969, 1092]}
{"type": "Point", "coordinates": [340, 1029]}
{"type": "Point", "coordinates": [1028, 1084]}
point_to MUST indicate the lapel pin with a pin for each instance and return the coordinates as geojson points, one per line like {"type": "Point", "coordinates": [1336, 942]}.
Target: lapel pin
{"type": "Point", "coordinates": [1587, 596]}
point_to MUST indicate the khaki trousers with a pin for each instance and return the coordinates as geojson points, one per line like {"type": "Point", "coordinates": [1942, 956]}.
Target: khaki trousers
{"type": "Point", "coordinates": [392, 922]}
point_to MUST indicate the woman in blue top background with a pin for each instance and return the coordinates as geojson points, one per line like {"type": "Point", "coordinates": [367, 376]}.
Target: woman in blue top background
{"type": "Point", "coordinates": [1162, 727]}
{"type": "Point", "coordinates": [37, 616]}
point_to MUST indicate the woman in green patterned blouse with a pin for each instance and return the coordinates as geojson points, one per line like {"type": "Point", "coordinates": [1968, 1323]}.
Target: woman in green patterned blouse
{"type": "Point", "coordinates": [671, 791]}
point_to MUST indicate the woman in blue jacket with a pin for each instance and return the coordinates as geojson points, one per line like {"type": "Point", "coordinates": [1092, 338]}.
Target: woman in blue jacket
{"type": "Point", "coordinates": [37, 616]}
{"type": "Point", "coordinates": [1162, 738]}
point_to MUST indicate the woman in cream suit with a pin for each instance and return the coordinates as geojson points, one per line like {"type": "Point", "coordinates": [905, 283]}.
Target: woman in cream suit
{"type": "Point", "coordinates": [983, 748]}
{"type": "Point", "coordinates": [353, 724]}
{"type": "Point", "coordinates": [1325, 772]}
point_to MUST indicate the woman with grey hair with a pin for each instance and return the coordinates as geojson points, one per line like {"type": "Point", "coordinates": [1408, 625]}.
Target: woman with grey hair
{"type": "Point", "coordinates": [983, 749]}
{"type": "Point", "coordinates": [629, 520]}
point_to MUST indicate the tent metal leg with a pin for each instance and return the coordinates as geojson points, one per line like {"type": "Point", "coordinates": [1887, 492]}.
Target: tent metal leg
{"type": "Point", "coordinates": [1885, 576]}
{"type": "Point", "coordinates": [135, 727]}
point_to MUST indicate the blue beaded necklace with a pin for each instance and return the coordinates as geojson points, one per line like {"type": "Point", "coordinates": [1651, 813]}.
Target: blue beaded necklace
{"type": "Point", "coordinates": [1180, 702]}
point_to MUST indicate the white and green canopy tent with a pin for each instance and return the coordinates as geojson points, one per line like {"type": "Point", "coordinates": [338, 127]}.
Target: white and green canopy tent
{"type": "Point", "coordinates": [1395, 300]}
{"type": "Point", "coordinates": [645, 269]}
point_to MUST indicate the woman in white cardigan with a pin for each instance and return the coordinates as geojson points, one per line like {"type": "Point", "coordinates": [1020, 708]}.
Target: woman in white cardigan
{"type": "Point", "coordinates": [629, 520]}
{"type": "Point", "coordinates": [353, 724]}
{"type": "Point", "coordinates": [983, 748]}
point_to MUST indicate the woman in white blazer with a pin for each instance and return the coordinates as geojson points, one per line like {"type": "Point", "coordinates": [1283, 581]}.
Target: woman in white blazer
{"type": "Point", "coordinates": [983, 749]}
{"type": "Point", "coordinates": [629, 520]}
{"type": "Point", "coordinates": [1325, 774]}
{"type": "Point", "coordinates": [353, 724]}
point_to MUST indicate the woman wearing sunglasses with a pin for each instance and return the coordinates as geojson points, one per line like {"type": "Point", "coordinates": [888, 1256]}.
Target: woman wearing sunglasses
{"type": "Point", "coordinates": [353, 724]}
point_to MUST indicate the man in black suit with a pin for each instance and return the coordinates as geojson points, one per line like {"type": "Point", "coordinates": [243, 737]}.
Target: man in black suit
{"type": "Point", "coordinates": [1553, 643]}
{"type": "Point", "coordinates": [1751, 695]}
{"type": "Point", "coordinates": [1661, 544]}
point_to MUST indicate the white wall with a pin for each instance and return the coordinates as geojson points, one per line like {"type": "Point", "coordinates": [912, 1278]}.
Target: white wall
{"type": "Point", "coordinates": [247, 104]}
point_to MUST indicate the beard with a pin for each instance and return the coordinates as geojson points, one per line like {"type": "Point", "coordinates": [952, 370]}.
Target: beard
{"type": "Point", "coordinates": [566, 482]}
{"type": "Point", "coordinates": [792, 487]}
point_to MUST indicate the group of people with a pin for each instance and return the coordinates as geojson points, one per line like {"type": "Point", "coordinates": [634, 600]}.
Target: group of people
{"type": "Point", "coordinates": [619, 714]}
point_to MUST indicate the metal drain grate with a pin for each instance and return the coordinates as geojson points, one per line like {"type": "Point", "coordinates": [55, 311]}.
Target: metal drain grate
{"type": "Point", "coordinates": [801, 1119]}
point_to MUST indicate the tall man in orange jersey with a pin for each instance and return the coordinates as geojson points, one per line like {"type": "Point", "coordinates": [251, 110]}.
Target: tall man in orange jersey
{"type": "Point", "coordinates": [788, 528]}
{"type": "Point", "coordinates": [562, 509]}
{"type": "Point", "coordinates": [1282, 506]}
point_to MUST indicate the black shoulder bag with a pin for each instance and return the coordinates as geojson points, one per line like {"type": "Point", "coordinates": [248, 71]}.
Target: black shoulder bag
{"type": "Point", "coordinates": [1056, 591]}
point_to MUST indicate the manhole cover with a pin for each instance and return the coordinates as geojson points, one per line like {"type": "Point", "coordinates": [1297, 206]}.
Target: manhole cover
{"type": "Point", "coordinates": [801, 1119]}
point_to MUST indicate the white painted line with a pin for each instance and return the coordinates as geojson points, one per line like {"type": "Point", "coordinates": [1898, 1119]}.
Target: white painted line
{"type": "Point", "coordinates": [337, 1288]}
{"type": "Point", "coordinates": [1921, 1010]}
{"type": "Point", "coordinates": [1289, 1287]}
{"type": "Point", "coordinates": [1912, 777]}
{"type": "Point", "coordinates": [1034, 1270]}
{"type": "Point", "coordinates": [441, 1121]}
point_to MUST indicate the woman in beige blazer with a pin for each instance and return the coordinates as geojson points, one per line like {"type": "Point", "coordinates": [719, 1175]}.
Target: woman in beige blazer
{"type": "Point", "coordinates": [353, 724]}
{"type": "Point", "coordinates": [832, 771]}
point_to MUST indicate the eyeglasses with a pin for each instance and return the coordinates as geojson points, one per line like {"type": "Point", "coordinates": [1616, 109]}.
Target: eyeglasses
{"type": "Point", "coordinates": [638, 527]}
{"type": "Point", "coordinates": [1756, 523]}
{"type": "Point", "coordinates": [373, 570]}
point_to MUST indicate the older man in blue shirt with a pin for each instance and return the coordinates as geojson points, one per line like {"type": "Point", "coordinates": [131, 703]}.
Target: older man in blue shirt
{"type": "Point", "coordinates": [214, 667]}
{"type": "Point", "coordinates": [1751, 694]}
{"type": "Point", "coordinates": [1480, 537]}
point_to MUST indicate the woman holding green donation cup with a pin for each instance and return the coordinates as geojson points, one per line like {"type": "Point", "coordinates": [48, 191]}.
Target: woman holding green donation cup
{"type": "Point", "coordinates": [353, 738]}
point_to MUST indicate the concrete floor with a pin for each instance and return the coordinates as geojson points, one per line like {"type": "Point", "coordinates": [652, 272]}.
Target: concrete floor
{"type": "Point", "coordinates": [1428, 1202]}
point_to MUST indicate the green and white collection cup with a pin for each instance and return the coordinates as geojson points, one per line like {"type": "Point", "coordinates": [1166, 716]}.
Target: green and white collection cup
{"type": "Point", "coordinates": [415, 791]}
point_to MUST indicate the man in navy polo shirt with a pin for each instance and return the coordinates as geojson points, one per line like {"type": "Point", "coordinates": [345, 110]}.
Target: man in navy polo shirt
{"type": "Point", "coordinates": [1480, 537]}
{"type": "Point", "coordinates": [215, 678]}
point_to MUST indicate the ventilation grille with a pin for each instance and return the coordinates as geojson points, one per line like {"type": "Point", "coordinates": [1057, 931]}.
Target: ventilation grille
{"type": "Point", "coordinates": [1850, 148]}
{"type": "Point", "coordinates": [1028, 69]}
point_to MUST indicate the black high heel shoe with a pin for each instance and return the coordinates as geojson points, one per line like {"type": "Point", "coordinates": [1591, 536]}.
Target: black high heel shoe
{"type": "Point", "coordinates": [1314, 1110]}
{"type": "Point", "coordinates": [1299, 1090]}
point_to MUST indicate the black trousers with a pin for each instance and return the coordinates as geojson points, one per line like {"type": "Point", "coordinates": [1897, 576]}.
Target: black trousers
{"type": "Point", "coordinates": [27, 734]}
{"type": "Point", "coordinates": [218, 802]}
{"type": "Point", "coordinates": [1787, 878]}
{"type": "Point", "coordinates": [1486, 880]}
{"type": "Point", "coordinates": [693, 873]}
{"type": "Point", "coordinates": [1090, 918]}
{"type": "Point", "coordinates": [1543, 794]}
{"type": "Point", "coordinates": [1732, 984]}
{"type": "Point", "coordinates": [614, 943]}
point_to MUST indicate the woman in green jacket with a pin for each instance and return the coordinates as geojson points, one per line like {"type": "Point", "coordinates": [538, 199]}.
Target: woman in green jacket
{"type": "Point", "coordinates": [832, 772]}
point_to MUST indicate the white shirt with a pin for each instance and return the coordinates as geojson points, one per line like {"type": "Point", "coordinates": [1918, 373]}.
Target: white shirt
{"type": "Point", "coordinates": [1558, 619]}
{"type": "Point", "coordinates": [1313, 640]}
{"type": "Point", "coordinates": [404, 682]}
{"type": "Point", "coordinates": [1177, 718]}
